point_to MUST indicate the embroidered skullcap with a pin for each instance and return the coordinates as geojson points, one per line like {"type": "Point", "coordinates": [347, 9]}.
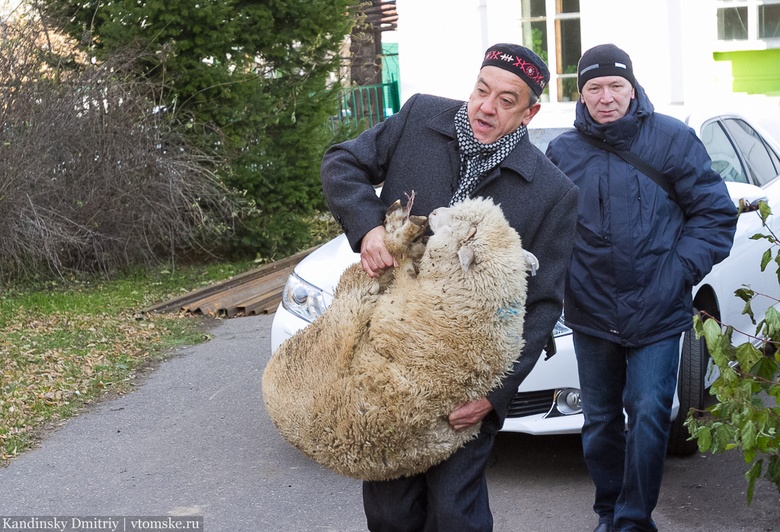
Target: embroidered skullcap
{"type": "Point", "coordinates": [521, 61]}
{"type": "Point", "coordinates": [604, 60]}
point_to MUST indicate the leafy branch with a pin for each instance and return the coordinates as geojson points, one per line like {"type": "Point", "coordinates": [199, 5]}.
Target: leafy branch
{"type": "Point", "coordinates": [746, 415]}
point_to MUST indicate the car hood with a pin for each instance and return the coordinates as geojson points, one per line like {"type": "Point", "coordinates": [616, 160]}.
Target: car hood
{"type": "Point", "coordinates": [324, 266]}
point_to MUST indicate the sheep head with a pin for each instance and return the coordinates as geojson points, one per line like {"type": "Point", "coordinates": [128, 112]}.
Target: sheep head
{"type": "Point", "coordinates": [459, 228]}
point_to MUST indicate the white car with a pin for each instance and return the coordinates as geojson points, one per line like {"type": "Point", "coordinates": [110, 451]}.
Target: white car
{"type": "Point", "coordinates": [548, 400]}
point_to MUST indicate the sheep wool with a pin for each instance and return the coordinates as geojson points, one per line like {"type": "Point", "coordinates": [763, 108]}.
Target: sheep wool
{"type": "Point", "coordinates": [365, 390]}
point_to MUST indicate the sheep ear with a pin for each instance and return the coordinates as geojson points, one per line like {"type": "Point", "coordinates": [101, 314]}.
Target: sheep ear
{"type": "Point", "coordinates": [396, 206]}
{"type": "Point", "coordinates": [466, 256]}
{"type": "Point", "coordinates": [472, 232]}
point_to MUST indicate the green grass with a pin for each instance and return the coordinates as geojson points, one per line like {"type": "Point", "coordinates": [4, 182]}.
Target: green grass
{"type": "Point", "coordinates": [65, 344]}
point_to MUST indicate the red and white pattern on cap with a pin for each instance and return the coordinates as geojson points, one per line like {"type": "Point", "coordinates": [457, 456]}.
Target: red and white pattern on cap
{"type": "Point", "coordinates": [529, 69]}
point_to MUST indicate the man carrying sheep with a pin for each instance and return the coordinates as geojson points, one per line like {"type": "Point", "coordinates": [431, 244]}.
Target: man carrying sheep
{"type": "Point", "coordinates": [446, 151]}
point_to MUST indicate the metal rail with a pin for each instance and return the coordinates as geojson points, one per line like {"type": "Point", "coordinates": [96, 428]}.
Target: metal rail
{"type": "Point", "coordinates": [257, 291]}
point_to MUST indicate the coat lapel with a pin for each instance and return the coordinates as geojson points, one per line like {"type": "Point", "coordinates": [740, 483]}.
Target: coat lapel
{"type": "Point", "coordinates": [444, 123]}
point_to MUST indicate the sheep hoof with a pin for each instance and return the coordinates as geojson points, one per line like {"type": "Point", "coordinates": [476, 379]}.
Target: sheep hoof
{"type": "Point", "coordinates": [373, 289]}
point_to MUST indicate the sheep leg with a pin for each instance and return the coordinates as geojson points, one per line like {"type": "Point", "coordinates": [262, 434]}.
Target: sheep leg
{"type": "Point", "coordinates": [404, 240]}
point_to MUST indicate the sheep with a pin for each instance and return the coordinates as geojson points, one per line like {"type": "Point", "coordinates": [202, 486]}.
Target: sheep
{"type": "Point", "coordinates": [365, 390]}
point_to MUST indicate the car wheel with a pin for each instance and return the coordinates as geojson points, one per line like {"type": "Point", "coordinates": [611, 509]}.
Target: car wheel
{"type": "Point", "coordinates": [690, 391]}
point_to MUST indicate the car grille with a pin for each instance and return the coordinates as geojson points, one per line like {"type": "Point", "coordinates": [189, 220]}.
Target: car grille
{"type": "Point", "coordinates": [530, 403]}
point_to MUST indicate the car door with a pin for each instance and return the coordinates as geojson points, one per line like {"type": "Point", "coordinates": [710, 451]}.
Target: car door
{"type": "Point", "coordinates": [750, 166]}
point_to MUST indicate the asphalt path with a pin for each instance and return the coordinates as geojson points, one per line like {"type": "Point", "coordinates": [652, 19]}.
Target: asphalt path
{"type": "Point", "coordinates": [193, 439]}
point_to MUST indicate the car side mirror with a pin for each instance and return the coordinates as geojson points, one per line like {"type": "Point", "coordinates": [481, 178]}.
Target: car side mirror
{"type": "Point", "coordinates": [746, 197]}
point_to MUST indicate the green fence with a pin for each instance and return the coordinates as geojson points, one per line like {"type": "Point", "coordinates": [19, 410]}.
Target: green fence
{"type": "Point", "coordinates": [367, 105]}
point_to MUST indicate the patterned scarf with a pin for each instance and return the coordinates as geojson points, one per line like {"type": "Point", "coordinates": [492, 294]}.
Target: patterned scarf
{"type": "Point", "coordinates": [476, 159]}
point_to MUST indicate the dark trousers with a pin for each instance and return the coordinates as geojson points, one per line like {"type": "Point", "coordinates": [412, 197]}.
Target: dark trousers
{"type": "Point", "coordinates": [450, 496]}
{"type": "Point", "coordinates": [626, 461]}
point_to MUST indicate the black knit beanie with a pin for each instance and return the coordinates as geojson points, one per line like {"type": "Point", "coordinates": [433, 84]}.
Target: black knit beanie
{"type": "Point", "coordinates": [604, 60]}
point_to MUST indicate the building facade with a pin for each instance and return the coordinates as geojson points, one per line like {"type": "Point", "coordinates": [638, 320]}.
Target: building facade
{"type": "Point", "coordinates": [683, 50]}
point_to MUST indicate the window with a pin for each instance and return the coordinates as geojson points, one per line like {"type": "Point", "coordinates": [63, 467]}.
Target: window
{"type": "Point", "coordinates": [761, 160]}
{"type": "Point", "coordinates": [732, 24]}
{"type": "Point", "coordinates": [724, 157]}
{"type": "Point", "coordinates": [748, 20]}
{"type": "Point", "coordinates": [557, 41]}
{"type": "Point", "coordinates": [535, 27]}
{"type": "Point", "coordinates": [769, 21]}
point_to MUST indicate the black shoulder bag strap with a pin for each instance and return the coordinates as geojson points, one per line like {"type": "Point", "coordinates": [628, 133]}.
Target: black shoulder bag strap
{"type": "Point", "coordinates": [639, 164]}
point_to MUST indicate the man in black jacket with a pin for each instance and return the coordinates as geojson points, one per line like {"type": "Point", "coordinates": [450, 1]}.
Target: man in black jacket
{"type": "Point", "coordinates": [445, 151]}
{"type": "Point", "coordinates": [637, 255]}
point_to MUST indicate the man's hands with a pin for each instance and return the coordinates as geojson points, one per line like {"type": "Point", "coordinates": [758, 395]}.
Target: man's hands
{"type": "Point", "coordinates": [468, 414]}
{"type": "Point", "coordinates": [373, 254]}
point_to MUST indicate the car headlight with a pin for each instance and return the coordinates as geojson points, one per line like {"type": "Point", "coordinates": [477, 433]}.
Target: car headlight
{"type": "Point", "coordinates": [568, 401]}
{"type": "Point", "coordinates": [302, 299]}
{"type": "Point", "coordinates": [560, 328]}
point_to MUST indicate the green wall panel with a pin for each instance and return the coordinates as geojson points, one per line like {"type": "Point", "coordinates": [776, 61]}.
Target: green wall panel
{"type": "Point", "coordinates": [754, 71]}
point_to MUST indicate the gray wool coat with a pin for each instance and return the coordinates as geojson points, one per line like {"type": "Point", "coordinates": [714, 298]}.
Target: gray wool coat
{"type": "Point", "coordinates": [416, 150]}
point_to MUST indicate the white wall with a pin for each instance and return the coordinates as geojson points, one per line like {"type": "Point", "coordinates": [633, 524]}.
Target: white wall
{"type": "Point", "coordinates": [639, 27]}
{"type": "Point", "coordinates": [9, 8]}
{"type": "Point", "coordinates": [438, 42]}
{"type": "Point", "coordinates": [704, 78]}
{"type": "Point", "coordinates": [441, 42]}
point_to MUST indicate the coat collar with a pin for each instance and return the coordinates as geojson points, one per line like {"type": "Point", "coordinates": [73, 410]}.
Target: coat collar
{"type": "Point", "coordinates": [621, 132]}
{"type": "Point", "coordinates": [522, 160]}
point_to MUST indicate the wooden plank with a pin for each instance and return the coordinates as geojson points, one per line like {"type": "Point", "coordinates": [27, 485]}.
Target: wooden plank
{"type": "Point", "coordinates": [192, 300]}
{"type": "Point", "coordinates": [224, 302]}
{"type": "Point", "coordinates": [264, 303]}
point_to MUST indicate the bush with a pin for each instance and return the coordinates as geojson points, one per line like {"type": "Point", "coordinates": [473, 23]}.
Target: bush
{"type": "Point", "coordinates": [93, 174]}
{"type": "Point", "coordinates": [258, 73]}
{"type": "Point", "coordinates": [747, 413]}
